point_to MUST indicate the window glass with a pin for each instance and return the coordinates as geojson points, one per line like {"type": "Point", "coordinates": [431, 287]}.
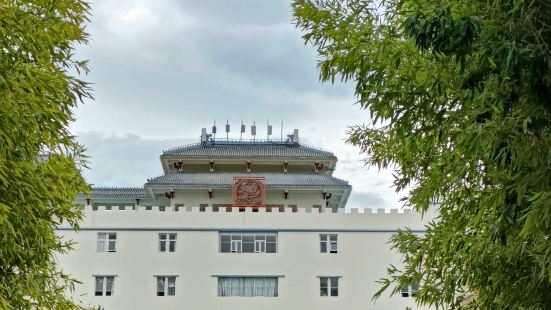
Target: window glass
{"type": "Point", "coordinates": [160, 286]}
{"type": "Point", "coordinates": [99, 286]}
{"type": "Point", "coordinates": [334, 286]}
{"type": "Point", "coordinates": [248, 247]}
{"type": "Point", "coordinates": [405, 291]}
{"type": "Point", "coordinates": [109, 286]}
{"type": "Point", "coordinates": [324, 286]}
{"type": "Point", "coordinates": [171, 286]}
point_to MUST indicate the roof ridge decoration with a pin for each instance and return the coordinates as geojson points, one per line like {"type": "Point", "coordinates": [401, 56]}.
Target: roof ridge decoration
{"type": "Point", "coordinates": [226, 179]}
{"type": "Point", "coordinates": [249, 148]}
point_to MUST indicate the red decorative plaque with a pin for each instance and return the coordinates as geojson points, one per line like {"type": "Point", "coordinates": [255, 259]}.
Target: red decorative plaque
{"type": "Point", "coordinates": [248, 192]}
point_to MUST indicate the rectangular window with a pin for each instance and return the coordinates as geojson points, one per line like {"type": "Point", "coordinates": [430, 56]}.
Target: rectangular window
{"type": "Point", "coordinates": [166, 285]}
{"type": "Point", "coordinates": [167, 242]}
{"type": "Point", "coordinates": [236, 242]}
{"type": "Point", "coordinates": [410, 290]}
{"type": "Point", "coordinates": [329, 286]}
{"type": "Point", "coordinates": [247, 286]}
{"type": "Point", "coordinates": [107, 242]}
{"type": "Point", "coordinates": [104, 285]}
{"type": "Point", "coordinates": [328, 243]}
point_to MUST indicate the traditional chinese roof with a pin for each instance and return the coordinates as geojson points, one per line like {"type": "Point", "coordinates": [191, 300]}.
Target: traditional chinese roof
{"type": "Point", "coordinates": [118, 192]}
{"type": "Point", "coordinates": [225, 179]}
{"type": "Point", "coordinates": [248, 149]}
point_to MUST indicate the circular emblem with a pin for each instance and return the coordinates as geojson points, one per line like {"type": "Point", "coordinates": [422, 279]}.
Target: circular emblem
{"type": "Point", "coordinates": [248, 192]}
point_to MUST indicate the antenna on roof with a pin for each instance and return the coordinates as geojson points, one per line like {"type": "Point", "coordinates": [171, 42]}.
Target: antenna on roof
{"type": "Point", "coordinates": [242, 130]}
{"type": "Point", "coordinates": [214, 129]}
{"type": "Point", "coordinates": [253, 130]}
{"type": "Point", "coordinates": [269, 130]}
{"type": "Point", "coordinates": [227, 129]}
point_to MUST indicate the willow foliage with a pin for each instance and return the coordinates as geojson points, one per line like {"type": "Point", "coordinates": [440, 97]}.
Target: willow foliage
{"type": "Point", "coordinates": [459, 97]}
{"type": "Point", "coordinates": [39, 158]}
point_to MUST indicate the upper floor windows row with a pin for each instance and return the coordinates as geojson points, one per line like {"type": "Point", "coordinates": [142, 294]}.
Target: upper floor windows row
{"type": "Point", "coordinates": [229, 242]}
{"type": "Point", "coordinates": [236, 242]}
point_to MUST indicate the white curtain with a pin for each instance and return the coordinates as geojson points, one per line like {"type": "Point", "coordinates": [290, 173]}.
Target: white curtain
{"type": "Point", "coordinates": [102, 238]}
{"type": "Point", "coordinates": [247, 286]}
{"type": "Point", "coordinates": [271, 287]}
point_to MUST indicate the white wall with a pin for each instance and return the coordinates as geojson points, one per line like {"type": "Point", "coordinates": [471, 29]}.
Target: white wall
{"type": "Point", "coordinates": [362, 259]}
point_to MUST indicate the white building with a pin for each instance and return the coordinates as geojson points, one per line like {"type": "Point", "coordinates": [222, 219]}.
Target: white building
{"type": "Point", "coordinates": [235, 225]}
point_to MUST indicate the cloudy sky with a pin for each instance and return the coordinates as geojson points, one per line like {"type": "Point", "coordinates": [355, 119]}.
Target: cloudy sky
{"type": "Point", "coordinates": [164, 69]}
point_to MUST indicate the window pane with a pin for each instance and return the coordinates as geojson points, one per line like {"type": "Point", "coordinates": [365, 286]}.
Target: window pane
{"type": "Point", "coordinates": [172, 236]}
{"type": "Point", "coordinates": [323, 247]}
{"type": "Point", "coordinates": [333, 247]}
{"type": "Point", "coordinates": [225, 238]}
{"type": "Point", "coordinates": [99, 286]}
{"type": "Point", "coordinates": [260, 237]}
{"type": "Point", "coordinates": [324, 286]}
{"type": "Point", "coordinates": [162, 245]}
{"type": "Point", "coordinates": [112, 236]}
{"type": "Point", "coordinates": [260, 287]}
{"type": "Point", "coordinates": [248, 239]}
{"type": "Point", "coordinates": [248, 247]}
{"type": "Point", "coordinates": [171, 286]}
{"type": "Point", "coordinates": [225, 247]}
{"type": "Point", "coordinates": [323, 237]}
{"type": "Point", "coordinates": [271, 238]}
{"type": "Point", "coordinates": [160, 286]}
{"type": "Point", "coordinates": [172, 247]}
{"type": "Point", "coordinates": [111, 247]}
{"type": "Point", "coordinates": [162, 236]}
{"type": "Point", "coordinates": [404, 290]}
{"type": "Point", "coordinates": [235, 287]}
{"type": "Point", "coordinates": [109, 286]}
{"type": "Point", "coordinates": [333, 237]}
{"type": "Point", "coordinates": [271, 248]}
{"type": "Point", "coordinates": [236, 237]}
{"type": "Point", "coordinates": [334, 291]}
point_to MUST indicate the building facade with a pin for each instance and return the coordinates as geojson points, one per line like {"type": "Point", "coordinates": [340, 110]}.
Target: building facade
{"type": "Point", "coordinates": [235, 225]}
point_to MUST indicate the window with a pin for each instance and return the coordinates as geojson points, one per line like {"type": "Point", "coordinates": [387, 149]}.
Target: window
{"type": "Point", "coordinates": [166, 285]}
{"type": "Point", "coordinates": [104, 285]}
{"type": "Point", "coordinates": [329, 286]}
{"type": "Point", "coordinates": [328, 244]}
{"type": "Point", "coordinates": [107, 242]}
{"type": "Point", "coordinates": [410, 290]}
{"type": "Point", "coordinates": [167, 242]}
{"type": "Point", "coordinates": [247, 286]}
{"type": "Point", "coordinates": [248, 242]}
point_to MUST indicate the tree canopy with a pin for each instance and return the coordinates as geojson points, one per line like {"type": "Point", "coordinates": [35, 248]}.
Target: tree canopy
{"type": "Point", "coordinates": [458, 95]}
{"type": "Point", "coordinates": [39, 158]}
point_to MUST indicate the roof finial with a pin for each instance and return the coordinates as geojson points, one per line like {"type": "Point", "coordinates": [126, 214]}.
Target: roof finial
{"type": "Point", "coordinates": [214, 129]}
{"type": "Point", "coordinates": [227, 129]}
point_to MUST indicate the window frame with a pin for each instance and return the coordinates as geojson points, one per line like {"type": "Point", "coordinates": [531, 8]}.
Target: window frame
{"type": "Point", "coordinates": [166, 280]}
{"type": "Point", "coordinates": [327, 245]}
{"type": "Point", "coordinates": [105, 240]}
{"type": "Point", "coordinates": [329, 285]}
{"type": "Point", "coordinates": [167, 242]}
{"type": "Point", "coordinates": [410, 290]}
{"type": "Point", "coordinates": [104, 284]}
{"type": "Point", "coordinates": [248, 242]}
{"type": "Point", "coordinates": [239, 285]}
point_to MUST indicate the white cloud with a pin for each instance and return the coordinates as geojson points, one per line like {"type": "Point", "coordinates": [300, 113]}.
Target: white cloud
{"type": "Point", "coordinates": [164, 69]}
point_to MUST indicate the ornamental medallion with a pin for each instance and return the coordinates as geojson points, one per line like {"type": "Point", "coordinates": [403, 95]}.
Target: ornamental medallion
{"type": "Point", "coordinates": [248, 191]}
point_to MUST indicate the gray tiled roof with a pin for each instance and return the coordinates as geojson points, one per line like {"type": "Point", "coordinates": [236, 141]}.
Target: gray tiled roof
{"type": "Point", "coordinates": [226, 179]}
{"type": "Point", "coordinates": [118, 192]}
{"type": "Point", "coordinates": [249, 149]}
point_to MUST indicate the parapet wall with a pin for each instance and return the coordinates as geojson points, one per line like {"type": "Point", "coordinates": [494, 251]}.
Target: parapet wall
{"type": "Point", "coordinates": [194, 218]}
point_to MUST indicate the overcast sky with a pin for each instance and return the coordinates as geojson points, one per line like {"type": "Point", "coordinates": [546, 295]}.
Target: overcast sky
{"type": "Point", "coordinates": [164, 69]}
